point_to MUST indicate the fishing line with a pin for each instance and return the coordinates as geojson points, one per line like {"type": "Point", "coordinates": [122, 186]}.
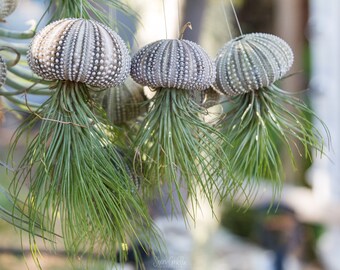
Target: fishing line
{"type": "Point", "coordinates": [165, 23]}
{"type": "Point", "coordinates": [236, 18]}
{"type": "Point", "coordinates": [226, 19]}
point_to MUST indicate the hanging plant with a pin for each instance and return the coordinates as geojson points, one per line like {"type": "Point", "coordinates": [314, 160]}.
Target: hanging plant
{"type": "Point", "coordinates": [177, 147]}
{"type": "Point", "coordinates": [247, 69]}
{"type": "Point", "coordinates": [73, 167]}
{"type": "Point", "coordinates": [7, 7]}
{"type": "Point", "coordinates": [3, 74]}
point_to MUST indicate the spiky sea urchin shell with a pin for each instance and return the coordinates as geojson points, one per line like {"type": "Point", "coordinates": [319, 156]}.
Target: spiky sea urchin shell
{"type": "Point", "coordinates": [124, 103]}
{"type": "Point", "coordinates": [7, 7]}
{"type": "Point", "coordinates": [173, 63]}
{"type": "Point", "coordinates": [3, 72]}
{"type": "Point", "coordinates": [250, 62]}
{"type": "Point", "coordinates": [80, 50]}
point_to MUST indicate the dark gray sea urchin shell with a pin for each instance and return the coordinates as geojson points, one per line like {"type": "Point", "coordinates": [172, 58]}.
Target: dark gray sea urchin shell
{"type": "Point", "coordinates": [250, 62]}
{"type": "Point", "coordinates": [173, 63]}
{"type": "Point", "coordinates": [3, 71]}
{"type": "Point", "coordinates": [80, 51]}
{"type": "Point", "coordinates": [7, 7]}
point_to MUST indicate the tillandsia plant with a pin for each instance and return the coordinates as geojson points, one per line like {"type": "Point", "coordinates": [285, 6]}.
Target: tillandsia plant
{"type": "Point", "coordinates": [261, 113]}
{"type": "Point", "coordinates": [7, 7]}
{"type": "Point", "coordinates": [20, 78]}
{"type": "Point", "coordinates": [175, 145]}
{"type": "Point", "coordinates": [90, 9]}
{"type": "Point", "coordinates": [14, 212]}
{"type": "Point", "coordinates": [3, 73]}
{"type": "Point", "coordinates": [74, 170]}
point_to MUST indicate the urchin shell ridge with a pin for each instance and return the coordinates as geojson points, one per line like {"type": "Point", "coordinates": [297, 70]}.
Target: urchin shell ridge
{"type": "Point", "coordinates": [173, 63]}
{"type": "Point", "coordinates": [250, 62]}
{"type": "Point", "coordinates": [81, 51]}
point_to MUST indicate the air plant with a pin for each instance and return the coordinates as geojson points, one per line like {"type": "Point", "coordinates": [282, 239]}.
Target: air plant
{"type": "Point", "coordinates": [7, 7]}
{"type": "Point", "coordinates": [20, 78]}
{"type": "Point", "coordinates": [89, 9]}
{"type": "Point", "coordinates": [175, 145]}
{"type": "Point", "coordinates": [74, 170]}
{"type": "Point", "coordinates": [261, 114]}
{"type": "Point", "coordinates": [3, 72]}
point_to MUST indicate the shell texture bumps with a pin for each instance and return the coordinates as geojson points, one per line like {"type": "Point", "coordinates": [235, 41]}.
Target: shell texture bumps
{"type": "Point", "coordinates": [3, 71]}
{"type": "Point", "coordinates": [80, 50]}
{"type": "Point", "coordinates": [7, 7]}
{"type": "Point", "coordinates": [250, 62]}
{"type": "Point", "coordinates": [173, 63]}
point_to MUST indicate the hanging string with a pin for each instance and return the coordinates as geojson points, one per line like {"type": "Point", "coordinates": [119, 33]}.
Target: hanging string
{"type": "Point", "coordinates": [178, 17]}
{"type": "Point", "coordinates": [236, 18]}
{"type": "Point", "coordinates": [166, 27]}
{"type": "Point", "coordinates": [226, 19]}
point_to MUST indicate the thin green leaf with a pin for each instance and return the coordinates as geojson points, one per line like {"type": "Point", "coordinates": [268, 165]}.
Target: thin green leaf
{"type": "Point", "coordinates": [78, 178]}
{"type": "Point", "coordinates": [258, 123]}
{"type": "Point", "coordinates": [180, 150]}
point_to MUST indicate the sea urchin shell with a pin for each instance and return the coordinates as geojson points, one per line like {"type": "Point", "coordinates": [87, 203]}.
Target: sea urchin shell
{"type": "Point", "coordinates": [80, 51]}
{"type": "Point", "coordinates": [173, 63]}
{"type": "Point", "coordinates": [123, 103]}
{"type": "Point", "coordinates": [250, 62]}
{"type": "Point", "coordinates": [7, 7]}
